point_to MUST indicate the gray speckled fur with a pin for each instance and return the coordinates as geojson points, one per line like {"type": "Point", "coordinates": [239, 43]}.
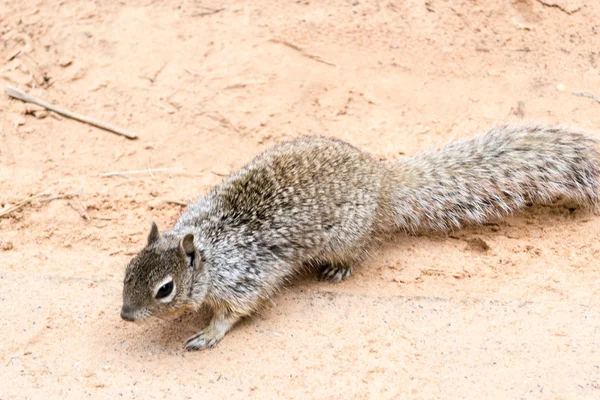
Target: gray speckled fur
{"type": "Point", "coordinates": [316, 202]}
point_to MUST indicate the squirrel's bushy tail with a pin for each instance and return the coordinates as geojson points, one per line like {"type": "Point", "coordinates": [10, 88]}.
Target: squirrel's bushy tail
{"type": "Point", "coordinates": [493, 174]}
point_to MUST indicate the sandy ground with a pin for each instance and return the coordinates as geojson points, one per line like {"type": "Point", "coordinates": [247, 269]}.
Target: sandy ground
{"type": "Point", "coordinates": [509, 310]}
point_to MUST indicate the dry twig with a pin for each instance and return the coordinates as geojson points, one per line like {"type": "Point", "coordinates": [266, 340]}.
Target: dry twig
{"type": "Point", "coordinates": [589, 95]}
{"type": "Point", "coordinates": [179, 203]}
{"type": "Point", "coordinates": [301, 51]}
{"type": "Point", "coordinates": [139, 171]}
{"type": "Point", "coordinates": [62, 196]}
{"type": "Point", "coordinates": [81, 210]}
{"type": "Point", "coordinates": [20, 204]}
{"type": "Point", "coordinates": [18, 94]}
{"type": "Point", "coordinates": [569, 10]}
{"type": "Point", "coordinates": [210, 11]}
{"type": "Point", "coordinates": [150, 171]}
{"type": "Point", "coordinates": [152, 79]}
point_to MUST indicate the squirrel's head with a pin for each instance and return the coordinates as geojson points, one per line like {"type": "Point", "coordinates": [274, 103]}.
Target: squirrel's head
{"type": "Point", "coordinates": [158, 280]}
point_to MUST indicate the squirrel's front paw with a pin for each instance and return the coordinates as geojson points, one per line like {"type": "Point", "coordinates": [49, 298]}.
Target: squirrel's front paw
{"type": "Point", "coordinates": [206, 338]}
{"type": "Point", "coordinates": [201, 341]}
{"type": "Point", "coordinates": [213, 333]}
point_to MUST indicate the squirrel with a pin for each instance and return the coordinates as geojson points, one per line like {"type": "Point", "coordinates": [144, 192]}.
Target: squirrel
{"type": "Point", "coordinates": [319, 203]}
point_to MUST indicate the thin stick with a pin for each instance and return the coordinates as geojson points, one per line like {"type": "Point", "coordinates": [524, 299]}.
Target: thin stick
{"type": "Point", "coordinates": [179, 203]}
{"type": "Point", "coordinates": [589, 95]}
{"type": "Point", "coordinates": [104, 218]}
{"type": "Point", "coordinates": [81, 212]}
{"type": "Point", "coordinates": [150, 171]}
{"type": "Point", "coordinates": [301, 51]}
{"type": "Point", "coordinates": [21, 204]}
{"type": "Point", "coordinates": [153, 78]}
{"type": "Point", "coordinates": [18, 94]}
{"type": "Point", "coordinates": [139, 171]}
{"type": "Point", "coordinates": [210, 12]}
{"type": "Point", "coordinates": [63, 196]}
{"type": "Point", "coordinates": [85, 214]}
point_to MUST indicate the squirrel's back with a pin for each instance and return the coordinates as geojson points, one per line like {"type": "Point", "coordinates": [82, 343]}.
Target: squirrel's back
{"type": "Point", "coordinates": [296, 202]}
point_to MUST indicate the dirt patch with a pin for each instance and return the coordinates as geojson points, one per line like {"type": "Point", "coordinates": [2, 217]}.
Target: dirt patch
{"type": "Point", "coordinates": [509, 310]}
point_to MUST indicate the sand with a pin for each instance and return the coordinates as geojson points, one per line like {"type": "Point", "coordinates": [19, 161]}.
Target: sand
{"type": "Point", "coordinates": [508, 310]}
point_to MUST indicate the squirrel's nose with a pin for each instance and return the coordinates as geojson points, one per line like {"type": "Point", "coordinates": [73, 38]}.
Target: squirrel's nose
{"type": "Point", "coordinates": [127, 313]}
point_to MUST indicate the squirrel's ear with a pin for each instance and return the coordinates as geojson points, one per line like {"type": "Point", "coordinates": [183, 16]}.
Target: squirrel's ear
{"type": "Point", "coordinates": [187, 244]}
{"type": "Point", "coordinates": [187, 247]}
{"type": "Point", "coordinates": [153, 235]}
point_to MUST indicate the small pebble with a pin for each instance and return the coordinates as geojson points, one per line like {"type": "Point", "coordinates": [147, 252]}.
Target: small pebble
{"type": "Point", "coordinates": [18, 120]}
{"type": "Point", "coordinates": [560, 87]}
{"type": "Point", "coordinates": [65, 62]}
{"type": "Point", "coordinates": [40, 114]}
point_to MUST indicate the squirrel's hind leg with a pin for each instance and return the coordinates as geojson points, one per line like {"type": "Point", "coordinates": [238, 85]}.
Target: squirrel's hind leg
{"type": "Point", "coordinates": [336, 272]}
{"type": "Point", "coordinates": [339, 265]}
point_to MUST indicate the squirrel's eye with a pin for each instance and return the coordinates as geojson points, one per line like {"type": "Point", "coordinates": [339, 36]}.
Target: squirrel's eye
{"type": "Point", "coordinates": [165, 290]}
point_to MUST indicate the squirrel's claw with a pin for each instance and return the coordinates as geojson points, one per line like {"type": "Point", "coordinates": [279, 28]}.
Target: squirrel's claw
{"type": "Point", "coordinates": [336, 272]}
{"type": "Point", "coordinates": [201, 341]}
{"type": "Point", "coordinates": [213, 333]}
